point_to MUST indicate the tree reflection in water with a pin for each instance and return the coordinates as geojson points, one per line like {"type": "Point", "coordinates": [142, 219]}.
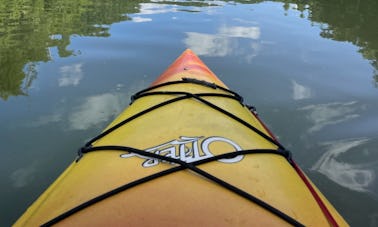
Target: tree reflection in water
{"type": "Point", "coordinates": [28, 29]}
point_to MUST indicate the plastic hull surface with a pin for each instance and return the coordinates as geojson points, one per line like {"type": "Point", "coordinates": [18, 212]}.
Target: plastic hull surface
{"type": "Point", "coordinates": [188, 130]}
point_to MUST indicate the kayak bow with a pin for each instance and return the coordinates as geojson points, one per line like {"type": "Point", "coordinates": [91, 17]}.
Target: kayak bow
{"type": "Point", "coordinates": [187, 151]}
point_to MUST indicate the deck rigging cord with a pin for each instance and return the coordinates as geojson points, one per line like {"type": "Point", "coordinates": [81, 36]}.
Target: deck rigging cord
{"type": "Point", "coordinates": [182, 165]}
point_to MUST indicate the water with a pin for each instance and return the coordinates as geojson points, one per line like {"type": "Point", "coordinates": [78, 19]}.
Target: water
{"type": "Point", "coordinates": [67, 68]}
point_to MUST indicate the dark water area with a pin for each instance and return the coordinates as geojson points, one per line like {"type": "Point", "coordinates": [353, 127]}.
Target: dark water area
{"type": "Point", "coordinates": [68, 68]}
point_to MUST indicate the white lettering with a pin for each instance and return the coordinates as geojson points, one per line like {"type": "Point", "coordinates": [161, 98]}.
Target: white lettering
{"type": "Point", "coordinates": [206, 143]}
{"type": "Point", "coordinates": [186, 149]}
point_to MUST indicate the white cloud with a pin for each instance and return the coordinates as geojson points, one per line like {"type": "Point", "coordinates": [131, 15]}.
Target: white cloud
{"type": "Point", "coordinates": [300, 91]}
{"type": "Point", "coordinates": [225, 42]}
{"type": "Point", "coordinates": [47, 119]}
{"type": "Point", "coordinates": [90, 111]}
{"type": "Point", "coordinates": [154, 8]}
{"type": "Point", "coordinates": [141, 19]}
{"type": "Point", "coordinates": [96, 110]}
{"type": "Point", "coordinates": [245, 21]}
{"type": "Point", "coordinates": [322, 115]}
{"type": "Point", "coordinates": [252, 52]}
{"type": "Point", "coordinates": [356, 177]}
{"type": "Point", "coordinates": [209, 45]}
{"type": "Point", "coordinates": [71, 75]}
{"type": "Point", "coordinates": [252, 32]}
{"type": "Point", "coordinates": [23, 176]}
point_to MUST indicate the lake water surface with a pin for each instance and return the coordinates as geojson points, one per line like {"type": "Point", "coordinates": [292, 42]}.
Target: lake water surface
{"type": "Point", "coordinates": [68, 67]}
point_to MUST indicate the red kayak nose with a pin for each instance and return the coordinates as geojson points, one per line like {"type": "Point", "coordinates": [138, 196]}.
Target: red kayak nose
{"type": "Point", "coordinates": [188, 65]}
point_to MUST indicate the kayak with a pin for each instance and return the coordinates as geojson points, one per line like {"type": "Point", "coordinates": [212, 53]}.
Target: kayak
{"type": "Point", "coordinates": [187, 151]}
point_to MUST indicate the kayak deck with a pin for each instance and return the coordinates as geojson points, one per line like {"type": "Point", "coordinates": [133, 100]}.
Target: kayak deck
{"type": "Point", "coordinates": [160, 163]}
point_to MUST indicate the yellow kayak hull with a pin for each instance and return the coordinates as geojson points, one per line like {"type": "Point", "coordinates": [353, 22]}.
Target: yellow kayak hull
{"type": "Point", "coordinates": [191, 131]}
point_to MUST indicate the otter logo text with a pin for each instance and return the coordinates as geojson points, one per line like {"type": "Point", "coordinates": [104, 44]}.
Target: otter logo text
{"type": "Point", "coordinates": [187, 149]}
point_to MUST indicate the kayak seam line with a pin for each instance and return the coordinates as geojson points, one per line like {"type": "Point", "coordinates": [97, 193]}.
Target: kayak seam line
{"type": "Point", "coordinates": [329, 217]}
{"type": "Point", "coordinates": [182, 165]}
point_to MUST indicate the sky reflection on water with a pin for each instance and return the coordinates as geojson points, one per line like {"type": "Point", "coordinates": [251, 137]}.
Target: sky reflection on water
{"type": "Point", "coordinates": [66, 70]}
{"type": "Point", "coordinates": [358, 177]}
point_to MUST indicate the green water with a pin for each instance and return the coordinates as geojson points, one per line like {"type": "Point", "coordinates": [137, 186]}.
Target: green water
{"type": "Point", "coordinates": [67, 68]}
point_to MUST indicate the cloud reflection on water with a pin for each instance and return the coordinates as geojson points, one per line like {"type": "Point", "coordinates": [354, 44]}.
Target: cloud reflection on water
{"type": "Point", "coordinates": [357, 177]}
{"type": "Point", "coordinates": [207, 44]}
{"type": "Point", "coordinates": [141, 19]}
{"type": "Point", "coordinates": [225, 42]}
{"type": "Point", "coordinates": [95, 110]}
{"type": "Point", "coordinates": [252, 32]}
{"type": "Point", "coordinates": [300, 91]}
{"type": "Point", "coordinates": [154, 8]}
{"type": "Point", "coordinates": [322, 115]}
{"type": "Point", "coordinates": [47, 119]}
{"type": "Point", "coordinates": [23, 176]}
{"type": "Point", "coordinates": [92, 111]}
{"type": "Point", "coordinates": [159, 7]}
{"type": "Point", "coordinates": [71, 75]}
